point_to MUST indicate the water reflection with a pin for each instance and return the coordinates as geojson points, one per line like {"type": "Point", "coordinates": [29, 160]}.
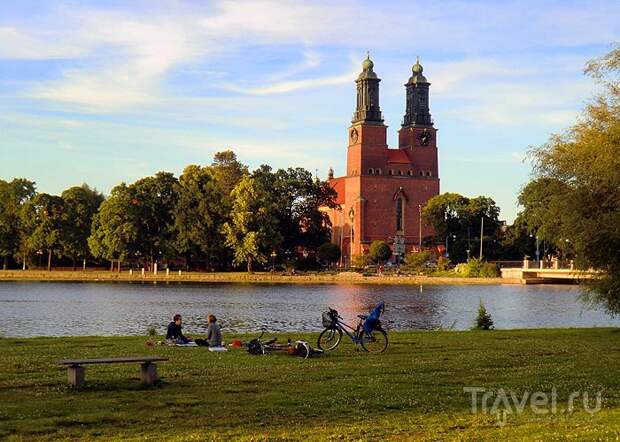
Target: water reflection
{"type": "Point", "coordinates": [73, 309]}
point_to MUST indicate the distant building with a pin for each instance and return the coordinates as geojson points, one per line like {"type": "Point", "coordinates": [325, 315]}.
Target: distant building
{"type": "Point", "coordinates": [381, 196]}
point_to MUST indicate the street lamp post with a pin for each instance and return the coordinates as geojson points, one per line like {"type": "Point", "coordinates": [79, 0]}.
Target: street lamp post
{"type": "Point", "coordinates": [420, 230]}
{"type": "Point", "coordinates": [352, 219]}
{"type": "Point", "coordinates": [447, 238]}
{"type": "Point", "coordinates": [273, 261]}
{"type": "Point", "coordinates": [537, 249]}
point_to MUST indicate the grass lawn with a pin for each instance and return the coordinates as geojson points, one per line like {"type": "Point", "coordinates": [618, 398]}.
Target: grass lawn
{"type": "Point", "coordinates": [413, 391]}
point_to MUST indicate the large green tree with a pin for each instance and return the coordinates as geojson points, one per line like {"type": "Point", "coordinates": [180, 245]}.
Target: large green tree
{"type": "Point", "coordinates": [252, 233]}
{"type": "Point", "coordinates": [137, 221]}
{"type": "Point", "coordinates": [456, 220]}
{"type": "Point", "coordinates": [574, 199]}
{"type": "Point", "coordinates": [42, 221]}
{"type": "Point", "coordinates": [198, 216]}
{"type": "Point", "coordinates": [80, 205]}
{"type": "Point", "coordinates": [298, 199]}
{"type": "Point", "coordinates": [13, 195]}
{"type": "Point", "coordinates": [114, 231]}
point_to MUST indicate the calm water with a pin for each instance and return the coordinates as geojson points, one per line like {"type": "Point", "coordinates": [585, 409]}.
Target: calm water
{"type": "Point", "coordinates": [74, 309]}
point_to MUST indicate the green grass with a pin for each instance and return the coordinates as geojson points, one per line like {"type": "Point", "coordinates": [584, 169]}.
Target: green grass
{"type": "Point", "coordinates": [413, 391]}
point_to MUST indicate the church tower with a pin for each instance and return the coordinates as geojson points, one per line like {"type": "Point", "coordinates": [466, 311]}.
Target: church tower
{"type": "Point", "coordinates": [417, 133]}
{"type": "Point", "coordinates": [367, 134]}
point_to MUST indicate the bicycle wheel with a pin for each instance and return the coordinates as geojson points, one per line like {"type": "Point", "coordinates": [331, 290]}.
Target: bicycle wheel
{"type": "Point", "coordinates": [374, 342]}
{"type": "Point", "coordinates": [329, 339]}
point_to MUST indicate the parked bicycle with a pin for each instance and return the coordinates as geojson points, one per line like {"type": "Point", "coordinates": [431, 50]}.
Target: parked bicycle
{"type": "Point", "coordinates": [369, 332]}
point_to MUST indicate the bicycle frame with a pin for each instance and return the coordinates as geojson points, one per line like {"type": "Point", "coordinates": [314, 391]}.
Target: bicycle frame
{"type": "Point", "coordinates": [343, 327]}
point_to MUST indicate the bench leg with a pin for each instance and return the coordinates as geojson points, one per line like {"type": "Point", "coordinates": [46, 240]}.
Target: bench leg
{"type": "Point", "coordinates": [75, 375]}
{"type": "Point", "coordinates": [148, 373]}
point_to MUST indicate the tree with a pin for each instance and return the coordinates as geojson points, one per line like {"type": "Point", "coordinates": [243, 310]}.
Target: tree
{"type": "Point", "coordinates": [574, 199]}
{"type": "Point", "coordinates": [80, 205]}
{"type": "Point", "coordinates": [297, 200]}
{"type": "Point", "coordinates": [329, 253]}
{"type": "Point", "coordinates": [483, 320]}
{"type": "Point", "coordinates": [198, 216]}
{"type": "Point", "coordinates": [252, 232]}
{"type": "Point", "coordinates": [456, 220]}
{"type": "Point", "coordinates": [42, 218]}
{"type": "Point", "coordinates": [379, 251]}
{"type": "Point", "coordinates": [13, 195]}
{"type": "Point", "coordinates": [114, 231]}
{"type": "Point", "coordinates": [137, 221]}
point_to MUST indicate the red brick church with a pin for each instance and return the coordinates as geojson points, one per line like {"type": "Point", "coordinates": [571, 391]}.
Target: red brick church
{"type": "Point", "coordinates": [382, 194]}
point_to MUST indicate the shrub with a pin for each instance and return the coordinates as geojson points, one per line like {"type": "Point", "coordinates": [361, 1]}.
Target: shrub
{"type": "Point", "coordinates": [443, 263]}
{"type": "Point", "coordinates": [329, 253]}
{"type": "Point", "coordinates": [489, 270]}
{"type": "Point", "coordinates": [483, 321]}
{"type": "Point", "coordinates": [478, 268]}
{"type": "Point", "coordinates": [471, 268]}
{"type": "Point", "coordinates": [379, 251]}
{"type": "Point", "coordinates": [417, 261]}
{"type": "Point", "coordinates": [360, 261]}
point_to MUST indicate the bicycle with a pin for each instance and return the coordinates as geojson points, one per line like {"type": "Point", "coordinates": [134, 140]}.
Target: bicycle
{"type": "Point", "coordinates": [374, 340]}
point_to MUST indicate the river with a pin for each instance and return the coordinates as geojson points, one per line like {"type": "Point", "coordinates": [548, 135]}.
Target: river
{"type": "Point", "coordinates": [110, 309]}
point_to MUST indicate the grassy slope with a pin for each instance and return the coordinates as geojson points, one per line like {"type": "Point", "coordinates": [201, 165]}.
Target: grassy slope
{"type": "Point", "coordinates": [415, 390]}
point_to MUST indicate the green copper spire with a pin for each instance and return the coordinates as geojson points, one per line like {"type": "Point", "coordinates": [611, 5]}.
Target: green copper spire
{"type": "Point", "coordinates": [367, 109]}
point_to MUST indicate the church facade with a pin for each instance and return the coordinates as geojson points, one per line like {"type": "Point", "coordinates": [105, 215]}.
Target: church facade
{"type": "Point", "coordinates": [384, 189]}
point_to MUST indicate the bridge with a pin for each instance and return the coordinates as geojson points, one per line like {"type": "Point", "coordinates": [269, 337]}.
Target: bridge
{"type": "Point", "coordinates": [546, 272]}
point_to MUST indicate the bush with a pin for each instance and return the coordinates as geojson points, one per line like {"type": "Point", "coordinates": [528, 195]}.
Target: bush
{"type": "Point", "coordinates": [417, 261]}
{"type": "Point", "coordinates": [489, 270]}
{"type": "Point", "coordinates": [483, 321]}
{"type": "Point", "coordinates": [329, 253]}
{"type": "Point", "coordinates": [475, 268]}
{"type": "Point", "coordinates": [379, 251]}
{"type": "Point", "coordinates": [443, 263]}
{"type": "Point", "coordinates": [360, 261]}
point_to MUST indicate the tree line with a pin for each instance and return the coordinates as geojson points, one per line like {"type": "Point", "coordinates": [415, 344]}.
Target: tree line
{"type": "Point", "coordinates": [211, 217]}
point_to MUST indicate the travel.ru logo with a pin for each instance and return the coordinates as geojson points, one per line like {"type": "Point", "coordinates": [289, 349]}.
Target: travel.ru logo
{"type": "Point", "coordinates": [502, 403]}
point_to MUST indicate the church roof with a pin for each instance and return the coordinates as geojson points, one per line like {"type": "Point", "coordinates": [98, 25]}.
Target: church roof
{"type": "Point", "coordinates": [398, 156]}
{"type": "Point", "coordinates": [338, 184]}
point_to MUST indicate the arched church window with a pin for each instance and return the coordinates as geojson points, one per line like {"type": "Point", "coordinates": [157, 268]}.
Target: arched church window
{"type": "Point", "coordinates": [400, 172]}
{"type": "Point", "coordinates": [410, 172]}
{"type": "Point", "coordinates": [371, 171]}
{"type": "Point", "coordinates": [421, 173]}
{"type": "Point", "coordinates": [399, 214]}
{"type": "Point", "coordinates": [390, 172]}
{"type": "Point", "coordinates": [379, 172]}
{"type": "Point", "coordinates": [428, 173]}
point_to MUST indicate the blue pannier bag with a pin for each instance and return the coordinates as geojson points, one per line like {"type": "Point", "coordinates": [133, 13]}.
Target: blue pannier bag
{"type": "Point", "coordinates": [372, 321]}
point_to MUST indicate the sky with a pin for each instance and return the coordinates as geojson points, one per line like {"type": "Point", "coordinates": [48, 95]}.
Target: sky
{"type": "Point", "coordinates": [109, 91]}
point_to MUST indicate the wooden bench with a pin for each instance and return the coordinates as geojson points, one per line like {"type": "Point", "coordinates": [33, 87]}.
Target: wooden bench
{"type": "Point", "coordinates": [148, 369]}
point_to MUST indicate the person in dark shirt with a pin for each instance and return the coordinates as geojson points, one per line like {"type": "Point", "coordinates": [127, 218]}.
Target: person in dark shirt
{"type": "Point", "coordinates": [175, 332]}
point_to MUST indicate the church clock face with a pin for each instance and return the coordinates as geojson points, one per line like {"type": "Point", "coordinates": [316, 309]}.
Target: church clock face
{"type": "Point", "coordinates": [354, 135]}
{"type": "Point", "coordinates": [425, 138]}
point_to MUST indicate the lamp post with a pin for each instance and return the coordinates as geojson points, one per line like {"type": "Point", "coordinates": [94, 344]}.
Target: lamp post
{"type": "Point", "coordinates": [420, 230]}
{"type": "Point", "coordinates": [537, 249]}
{"type": "Point", "coordinates": [447, 238]}
{"type": "Point", "coordinates": [352, 219]}
{"type": "Point", "coordinates": [273, 261]}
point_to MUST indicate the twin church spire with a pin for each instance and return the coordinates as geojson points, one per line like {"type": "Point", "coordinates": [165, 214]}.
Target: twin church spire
{"type": "Point", "coordinates": [417, 112]}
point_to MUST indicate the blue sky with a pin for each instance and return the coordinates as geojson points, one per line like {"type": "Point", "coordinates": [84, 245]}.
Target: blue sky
{"type": "Point", "coordinates": [109, 91]}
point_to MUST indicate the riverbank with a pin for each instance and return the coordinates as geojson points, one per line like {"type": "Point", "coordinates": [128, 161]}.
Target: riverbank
{"type": "Point", "coordinates": [413, 391]}
{"type": "Point", "coordinates": [241, 277]}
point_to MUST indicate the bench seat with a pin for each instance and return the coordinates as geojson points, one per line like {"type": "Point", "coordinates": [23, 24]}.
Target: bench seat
{"type": "Point", "coordinates": [76, 371]}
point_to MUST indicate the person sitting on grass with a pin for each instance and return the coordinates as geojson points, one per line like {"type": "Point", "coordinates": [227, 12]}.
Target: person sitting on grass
{"type": "Point", "coordinates": [174, 333]}
{"type": "Point", "coordinates": [214, 334]}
